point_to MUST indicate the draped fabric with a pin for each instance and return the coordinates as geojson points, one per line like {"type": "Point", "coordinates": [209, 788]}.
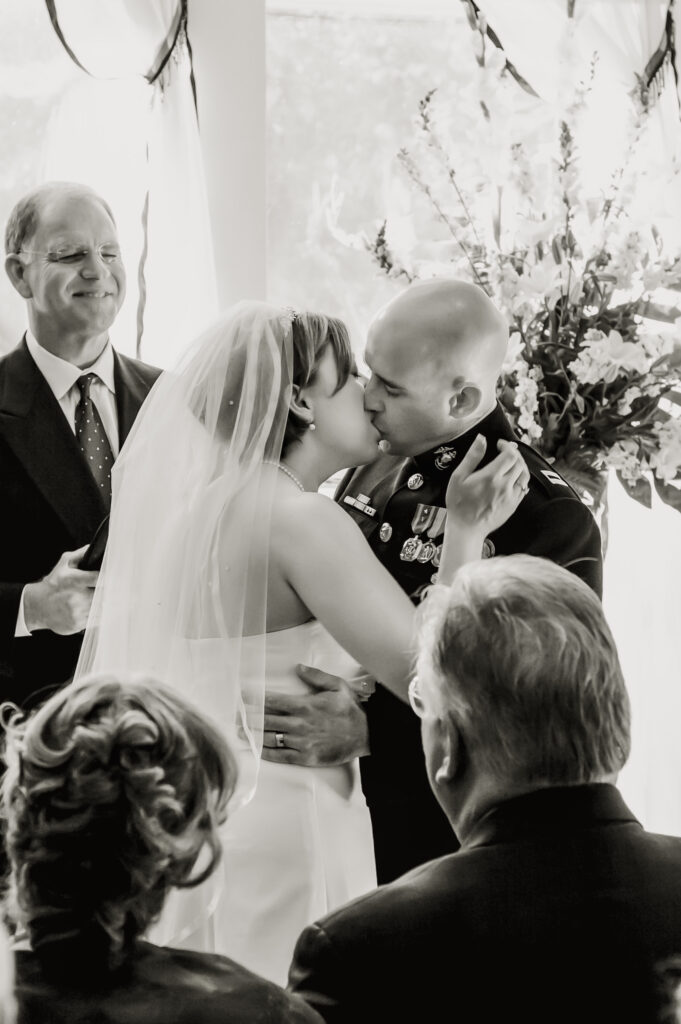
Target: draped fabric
{"type": "Point", "coordinates": [129, 129]}
{"type": "Point", "coordinates": [532, 36]}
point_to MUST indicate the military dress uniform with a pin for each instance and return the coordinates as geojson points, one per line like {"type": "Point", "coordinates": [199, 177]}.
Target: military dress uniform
{"type": "Point", "coordinates": [399, 504]}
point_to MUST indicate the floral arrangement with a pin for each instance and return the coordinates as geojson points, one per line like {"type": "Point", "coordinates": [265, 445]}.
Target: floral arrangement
{"type": "Point", "coordinates": [492, 192]}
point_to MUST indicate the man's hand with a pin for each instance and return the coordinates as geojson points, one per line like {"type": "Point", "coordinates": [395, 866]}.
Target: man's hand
{"type": "Point", "coordinates": [61, 601]}
{"type": "Point", "coordinates": [326, 727]}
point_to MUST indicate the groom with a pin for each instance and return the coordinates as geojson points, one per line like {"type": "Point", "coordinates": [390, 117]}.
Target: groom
{"type": "Point", "coordinates": [435, 354]}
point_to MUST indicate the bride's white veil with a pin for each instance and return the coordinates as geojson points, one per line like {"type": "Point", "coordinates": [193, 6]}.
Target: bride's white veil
{"type": "Point", "coordinates": [182, 590]}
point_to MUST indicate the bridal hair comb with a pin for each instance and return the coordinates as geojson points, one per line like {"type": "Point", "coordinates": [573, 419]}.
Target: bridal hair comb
{"type": "Point", "coordinates": [291, 314]}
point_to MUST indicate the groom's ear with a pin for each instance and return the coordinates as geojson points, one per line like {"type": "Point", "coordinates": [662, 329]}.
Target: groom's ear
{"type": "Point", "coordinates": [300, 405]}
{"type": "Point", "coordinates": [464, 401]}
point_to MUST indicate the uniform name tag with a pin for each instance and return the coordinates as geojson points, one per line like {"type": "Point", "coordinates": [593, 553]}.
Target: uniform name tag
{"type": "Point", "coordinates": [362, 506]}
{"type": "Point", "coordinates": [553, 477]}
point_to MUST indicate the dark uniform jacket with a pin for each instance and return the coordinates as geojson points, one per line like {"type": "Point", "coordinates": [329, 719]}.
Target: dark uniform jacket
{"type": "Point", "coordinates": [556, 911]}
{"type": "Point", "coordinates": [400, 506]}
{"type": "Point", "coordinates": [158, 986]}
{"type": "Point", "coordinates": [49, 503]}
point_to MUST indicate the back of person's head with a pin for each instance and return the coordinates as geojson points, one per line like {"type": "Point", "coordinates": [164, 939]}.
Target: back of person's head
{"type": "Point", "coordinates": [517, 653]}
{"type": "Point", "coordinates": [113, 791]}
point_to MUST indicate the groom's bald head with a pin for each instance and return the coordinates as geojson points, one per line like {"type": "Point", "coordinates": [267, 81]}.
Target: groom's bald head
{"type": "Point", "coordinates": [435, 352]}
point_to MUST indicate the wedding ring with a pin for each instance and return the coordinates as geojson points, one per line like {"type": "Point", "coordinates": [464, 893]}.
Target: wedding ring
{"type": "Point", "coordinates": [279, 740]}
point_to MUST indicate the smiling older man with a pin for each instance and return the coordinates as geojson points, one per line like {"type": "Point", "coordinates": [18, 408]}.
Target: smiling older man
{"type": "Point", "coordinates": [559, 906]}
{"type": "Point", "coordinates": [67, 402]}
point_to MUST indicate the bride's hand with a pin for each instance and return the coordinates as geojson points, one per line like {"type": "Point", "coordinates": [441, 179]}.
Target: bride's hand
{"type": "Point", "coordinates": [484, 499]}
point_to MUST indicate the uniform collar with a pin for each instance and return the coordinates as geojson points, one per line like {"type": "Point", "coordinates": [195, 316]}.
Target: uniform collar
{"type": "Point", "coordinates": [550, 810]}
{"type": "Point", "coordinates": [62, 375]}
{"type": "Point", "coordinates": [448, 456]}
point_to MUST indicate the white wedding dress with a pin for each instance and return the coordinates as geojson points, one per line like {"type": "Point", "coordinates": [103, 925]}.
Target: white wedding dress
{"type": "Point", "coordinates": [301, 847]}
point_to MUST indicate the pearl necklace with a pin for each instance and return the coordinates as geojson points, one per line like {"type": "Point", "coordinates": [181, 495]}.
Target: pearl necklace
{"type": "Point", "coordinates": [288, 473]}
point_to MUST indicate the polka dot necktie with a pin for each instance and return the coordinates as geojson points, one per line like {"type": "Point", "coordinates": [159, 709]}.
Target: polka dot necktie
{"type": "Point", "coordinates": [92, 438]}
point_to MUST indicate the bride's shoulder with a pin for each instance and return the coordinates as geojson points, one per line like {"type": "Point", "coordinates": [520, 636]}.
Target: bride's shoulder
{"type": "Point", "coordinates": [312, 515]}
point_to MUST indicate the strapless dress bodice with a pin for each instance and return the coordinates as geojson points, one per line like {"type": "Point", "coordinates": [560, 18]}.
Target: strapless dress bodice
{"type": "Point", "coordinates": [309, 643]}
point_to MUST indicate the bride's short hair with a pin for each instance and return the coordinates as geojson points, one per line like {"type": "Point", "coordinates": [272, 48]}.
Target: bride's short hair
{"type": "Point", "coordinates": [113, 790]}
{"type": "Point", "coordinates": [312, 334]}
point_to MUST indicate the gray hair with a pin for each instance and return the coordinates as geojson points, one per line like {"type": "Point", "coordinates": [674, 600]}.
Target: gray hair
{"type": "Point", "coordinates": [23, 221]}
{"type": "Point", "coordinates": [518, 654]}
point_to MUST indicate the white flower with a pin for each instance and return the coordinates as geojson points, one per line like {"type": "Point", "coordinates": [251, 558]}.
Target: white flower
{"type": "Point", "coordinates": [529, 232]}
{"type": "Point", "coordinates": [514, 354]}
{"type": "Point", "coordinates": [667, 460]}
{"type": "Point", "coordinates": [626, 264]}
{"type": "Point", "coordinates": [526, 399]}
{"type": "Point", "coordinates": [629, 396]}
{"type": "Point", "coordinates": [655, 344]}
{"type": "Point", "coordinates": [654, 276]}
{"type": "Point", "coordinates": [604, 359]}
{"type": "Point", "coordinates": [623, 456]}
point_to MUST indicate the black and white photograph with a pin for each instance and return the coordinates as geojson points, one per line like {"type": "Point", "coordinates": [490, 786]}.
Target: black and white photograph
{"type": "Point", "coordinates": [340, 512]}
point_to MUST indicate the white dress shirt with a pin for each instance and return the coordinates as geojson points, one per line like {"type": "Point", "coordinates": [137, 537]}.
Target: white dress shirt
{"type": "Point", "coordinates": [61, 377]}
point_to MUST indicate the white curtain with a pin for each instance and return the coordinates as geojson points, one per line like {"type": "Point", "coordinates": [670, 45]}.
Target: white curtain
{"type": "Point", "coordinates": [129, 129]}
{"type": "Point", "coordinates": [532, 32]}
{"type": "Point", "coordinates": [552, 51]}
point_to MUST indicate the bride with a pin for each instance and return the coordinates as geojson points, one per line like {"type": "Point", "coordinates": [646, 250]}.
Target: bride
{"type": "Point", "coordinates": [225, 569]}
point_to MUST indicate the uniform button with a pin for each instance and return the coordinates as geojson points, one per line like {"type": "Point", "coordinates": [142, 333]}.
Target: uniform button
{"type": "Point", "coordinates": [386, 532]}
{"type": "Point", "coordinates": [414, 482]}
{"type": "Point", "coordinates": [434, 577]}
{"type": "Point", "coordinates": [488, 550]}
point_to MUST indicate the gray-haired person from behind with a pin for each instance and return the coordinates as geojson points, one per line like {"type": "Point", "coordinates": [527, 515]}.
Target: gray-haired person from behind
{"type": "Point", "coordinates": [114, 793]}
{"type": "Point", "coordinates": [558, 905]}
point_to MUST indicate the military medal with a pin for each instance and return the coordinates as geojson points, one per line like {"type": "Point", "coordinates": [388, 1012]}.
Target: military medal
{"type": "Point", "coordinates": [427, 552]}
{"type": "Point", "coordinates": [428, 519]}
{"type": "Point", "coordinates": [437, 527]}
{"type": "Point", "coordinates": [424, 517]}
{"type": "Point", "coordinates": [437, 556]}
{"type": "Point", "coordinates": [410, 549]}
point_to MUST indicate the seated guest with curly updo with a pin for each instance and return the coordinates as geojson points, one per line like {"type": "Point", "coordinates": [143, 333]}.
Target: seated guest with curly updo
{"type": "Point", "coordinates": [113, 795]}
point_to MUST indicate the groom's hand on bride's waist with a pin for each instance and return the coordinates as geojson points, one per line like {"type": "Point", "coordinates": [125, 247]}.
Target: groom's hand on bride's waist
{"type": "Point", "coordinates": [326, 726]}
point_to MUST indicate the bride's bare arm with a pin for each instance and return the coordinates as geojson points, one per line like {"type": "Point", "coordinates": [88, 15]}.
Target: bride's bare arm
{"type": "Point", "coordinates": [324, 556]}
{"type": "Point", "coordinates": [326, 559]}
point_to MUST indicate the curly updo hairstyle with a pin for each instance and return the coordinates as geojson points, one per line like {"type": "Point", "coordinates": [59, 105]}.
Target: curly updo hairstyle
{"type": "Point", "coordinates": [113, 790]}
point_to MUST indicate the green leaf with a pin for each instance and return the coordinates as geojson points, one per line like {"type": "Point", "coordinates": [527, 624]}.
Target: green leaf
{"type": "Point", "coordinates": [640, 490]}
{"type": "Point", "coordinates": [670, 494]}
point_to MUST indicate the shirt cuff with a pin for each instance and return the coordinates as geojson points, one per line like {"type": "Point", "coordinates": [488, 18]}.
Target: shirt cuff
{"type": "Point", "coordinates": [21, 629]}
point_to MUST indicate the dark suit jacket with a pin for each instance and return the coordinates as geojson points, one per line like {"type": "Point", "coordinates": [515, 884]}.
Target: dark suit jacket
{"type": "Point", "coordinates": [555, 912]}
{"type": "Point", "coordinates": [50, 504]}
{"type": "Point", "coordinates": [550, 522]}
{"type": "Point", "coordinates": [159, 986]}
